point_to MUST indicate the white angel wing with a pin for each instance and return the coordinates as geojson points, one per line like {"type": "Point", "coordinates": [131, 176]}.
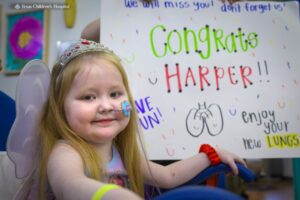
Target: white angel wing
{"type": "Point", "coordinates": [31, 94]}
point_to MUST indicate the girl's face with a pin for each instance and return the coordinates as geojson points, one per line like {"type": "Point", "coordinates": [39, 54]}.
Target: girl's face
{"type": "Point", "coordinates": [90, 106]}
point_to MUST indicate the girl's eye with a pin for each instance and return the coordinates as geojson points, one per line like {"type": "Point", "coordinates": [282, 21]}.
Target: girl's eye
{"type": "Point", "coordinates": [115, 94]}
{"type": "Point", "coordinates": [88, 97]}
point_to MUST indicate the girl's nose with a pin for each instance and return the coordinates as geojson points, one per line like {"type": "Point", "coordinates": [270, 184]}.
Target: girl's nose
{"type": "Point", "coordinates": [105, 105]}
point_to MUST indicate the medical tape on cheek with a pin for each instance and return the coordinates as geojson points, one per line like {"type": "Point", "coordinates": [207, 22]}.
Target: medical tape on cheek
{"type": "Point", "coordinates": [125, 108]}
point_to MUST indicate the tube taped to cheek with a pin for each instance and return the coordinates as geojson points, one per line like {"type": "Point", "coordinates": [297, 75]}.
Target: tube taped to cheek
{"type": "Point", "coordinates": [126, 108]}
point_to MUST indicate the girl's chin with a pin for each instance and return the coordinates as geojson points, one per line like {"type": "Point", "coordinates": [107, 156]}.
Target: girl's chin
{"type": "Point", "coordinates": [106, 135]}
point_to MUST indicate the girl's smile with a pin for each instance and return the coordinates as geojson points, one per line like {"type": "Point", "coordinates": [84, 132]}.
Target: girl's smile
{"type": "Point", "coordinates": [104, 122]}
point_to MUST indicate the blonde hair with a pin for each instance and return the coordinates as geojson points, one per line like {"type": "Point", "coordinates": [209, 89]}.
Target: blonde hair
{"type": "Point", "coordinates": [54, 127]}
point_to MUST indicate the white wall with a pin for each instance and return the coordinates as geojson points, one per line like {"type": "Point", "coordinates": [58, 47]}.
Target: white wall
{"type": "Point", "coordinates": [86, 12]}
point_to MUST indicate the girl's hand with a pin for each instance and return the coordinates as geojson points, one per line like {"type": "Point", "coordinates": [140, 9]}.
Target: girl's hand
{"type": "Point", "coordinates": [230, 159]}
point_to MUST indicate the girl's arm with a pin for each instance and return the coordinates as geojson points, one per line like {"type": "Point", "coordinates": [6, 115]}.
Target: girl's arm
{"type": "Point", "coordinates": [67, 179]}
{"type": "Point", "coordinates": [184, 170]}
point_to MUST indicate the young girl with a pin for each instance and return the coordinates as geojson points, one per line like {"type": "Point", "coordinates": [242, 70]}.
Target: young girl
{"type": "Point", "coordinates": [89, 134]}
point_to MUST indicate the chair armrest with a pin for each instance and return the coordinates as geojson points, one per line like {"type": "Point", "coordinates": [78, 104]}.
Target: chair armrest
{"type": "Point", "coordinates": [244, 172]}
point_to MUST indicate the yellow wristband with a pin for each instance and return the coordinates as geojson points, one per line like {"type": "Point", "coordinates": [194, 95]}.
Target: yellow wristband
{"type": "Point", "coordinates": [103, 190]}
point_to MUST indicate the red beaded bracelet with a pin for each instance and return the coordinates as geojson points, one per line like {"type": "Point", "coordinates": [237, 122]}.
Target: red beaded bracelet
{"type": "Point", "coordinates": [211, 154]}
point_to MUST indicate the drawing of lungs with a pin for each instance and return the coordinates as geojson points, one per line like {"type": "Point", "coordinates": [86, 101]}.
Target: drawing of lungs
{"type": "Point", "coordinates": [194, 122]}
{"type": "Point", "coordinates": [214, 120]}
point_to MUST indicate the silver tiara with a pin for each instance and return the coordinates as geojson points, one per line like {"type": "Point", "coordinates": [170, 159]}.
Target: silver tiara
{"type": "Point", "coordinates": [78, 48]}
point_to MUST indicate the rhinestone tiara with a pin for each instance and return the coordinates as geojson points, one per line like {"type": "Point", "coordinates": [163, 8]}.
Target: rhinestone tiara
{"type": "Point", "coordinates": [80, 47]}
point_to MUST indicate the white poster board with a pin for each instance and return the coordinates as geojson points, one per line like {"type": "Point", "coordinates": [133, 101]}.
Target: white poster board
{"type": "Point", "coordinates": [206, 72]}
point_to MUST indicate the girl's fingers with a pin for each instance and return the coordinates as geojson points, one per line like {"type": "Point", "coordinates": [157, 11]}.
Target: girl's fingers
{"type": "Point", "coordinates": [233, 167]}
{"type": "Point", "coordinates": [242, 161]}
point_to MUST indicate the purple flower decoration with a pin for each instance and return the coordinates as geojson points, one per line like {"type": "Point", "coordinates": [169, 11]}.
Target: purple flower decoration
{"type": "Point", "coordinates": [26, 38]}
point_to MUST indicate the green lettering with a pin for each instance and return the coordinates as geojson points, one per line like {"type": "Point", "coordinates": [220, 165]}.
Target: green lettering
{"type": "Point", "coordinates": [177, 38]}
{"type": "Point", "coordinates": [152, 42]}
{"type": "Point", "coordinates": [186, 34]}
{"type": "Point", "coordinates": [253, 40]}
{"type": "Point", "coordinates": [243, 44]}
{"type": "Point", "coordinates": [206, 40]}
{"type": "Point", "coordinates": [218, 35]}
{"type": "Point", "coordinates": [230, 43]}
